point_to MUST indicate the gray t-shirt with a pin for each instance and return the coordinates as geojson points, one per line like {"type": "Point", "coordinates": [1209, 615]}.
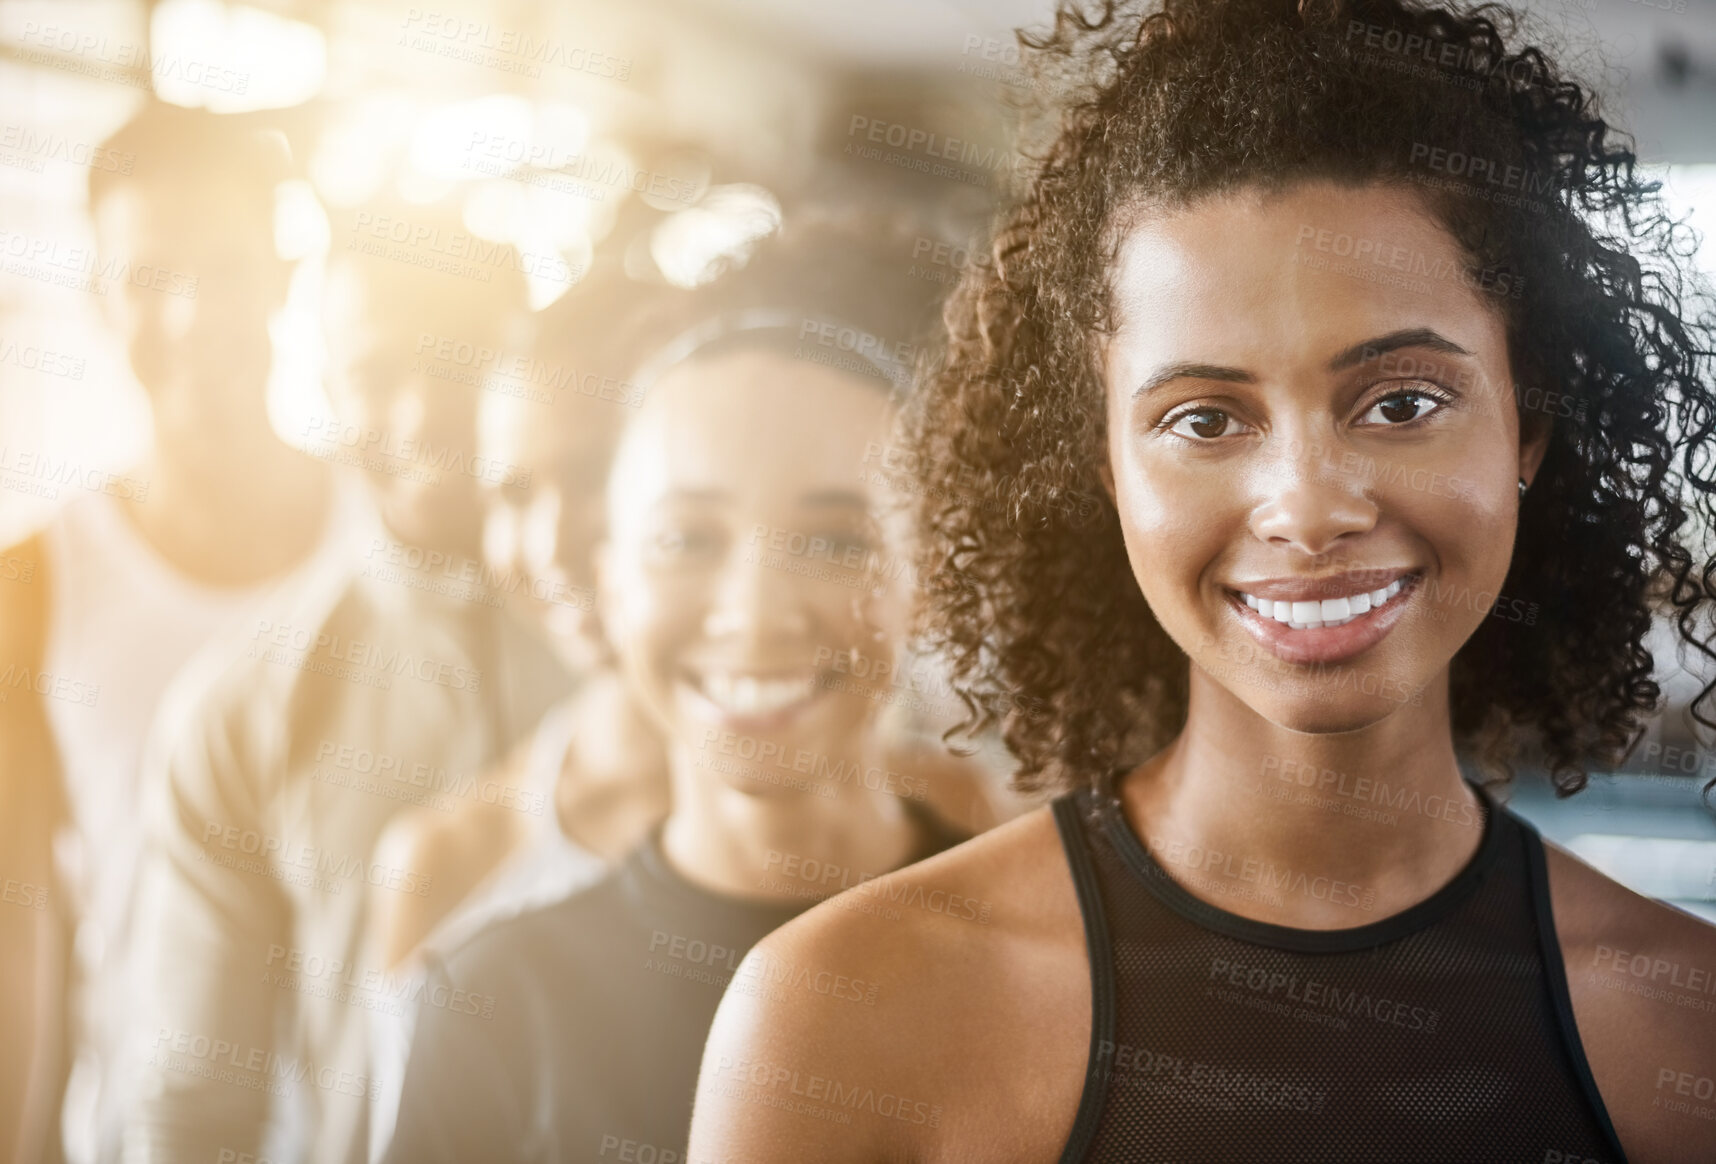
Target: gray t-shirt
{"type": "Point", "coordinates": [574, 1032]}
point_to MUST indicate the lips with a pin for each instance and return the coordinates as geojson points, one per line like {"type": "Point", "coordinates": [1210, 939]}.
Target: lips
{"type": "Point", "coordinates": [1330, 612]}
{"type": "Point", "coordinates": [1325, 620]}
{"type": "Point", "coordinates": [758, 701]}
{"type": "Point", "coordinates": [749, 695]}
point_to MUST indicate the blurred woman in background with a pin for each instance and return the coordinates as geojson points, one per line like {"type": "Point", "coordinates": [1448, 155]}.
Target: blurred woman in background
{"type": "Point", "coordinates": [750, 569]}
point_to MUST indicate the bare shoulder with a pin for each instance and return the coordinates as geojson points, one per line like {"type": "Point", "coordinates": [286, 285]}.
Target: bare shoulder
{"type": "Point", "coordinates": [1642, 978]}
{"type": "Point", "coordinates": [889, 1022]}
{"type": "Point", "coordinates": [453, 852]}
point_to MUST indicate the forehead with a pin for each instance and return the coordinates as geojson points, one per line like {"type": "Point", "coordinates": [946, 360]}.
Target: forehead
{"type": "Point", "coordinates": [755, 425]}
{"type": "Point", "coordinates": [1305, 269]}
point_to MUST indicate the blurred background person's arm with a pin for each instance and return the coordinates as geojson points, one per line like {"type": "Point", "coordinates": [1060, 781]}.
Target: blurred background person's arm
{"type": "Point", "coordinates": [34, 946]}
{"type": "Point", "coordinates": [210, 914]}
{"type": "Point", "coordinates": [596, 767]}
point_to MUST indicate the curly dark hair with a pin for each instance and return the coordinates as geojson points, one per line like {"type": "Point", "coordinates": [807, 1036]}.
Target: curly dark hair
{"type": "Point", "coordinates": [1034, 603]}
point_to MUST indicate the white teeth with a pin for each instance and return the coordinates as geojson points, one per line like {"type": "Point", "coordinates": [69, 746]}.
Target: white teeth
{"type": "Point", "coordinates": [1327, 612]}
{"type": "Point", "coordinates": [748, 695]}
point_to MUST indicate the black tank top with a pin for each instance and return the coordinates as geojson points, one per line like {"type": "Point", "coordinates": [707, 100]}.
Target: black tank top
{"type": "Point", "coordinates": [1442, 1034]}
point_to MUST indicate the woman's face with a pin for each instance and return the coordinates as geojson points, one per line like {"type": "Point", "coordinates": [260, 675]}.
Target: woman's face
{"type": "Point", "coordinates": [544, 531]}
{"type": "Point", "coordinates": [1313, 445]}
{"type": "Point", "coordinates": [748, 563]}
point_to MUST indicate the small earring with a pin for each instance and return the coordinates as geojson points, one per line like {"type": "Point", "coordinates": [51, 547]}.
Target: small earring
{"type": "Point", "coordinates": [1522, 486]}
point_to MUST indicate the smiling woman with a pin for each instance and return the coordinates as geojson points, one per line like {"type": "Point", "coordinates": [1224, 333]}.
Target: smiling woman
{"type": "Point", "coordinates": [1290, 467]}
{"type": "Point", "coordinates": [1581, 290]}
{"type": "Point", "coordinates": [1301, 359]}
{"type": "Point", "coordinates": [744, 575]}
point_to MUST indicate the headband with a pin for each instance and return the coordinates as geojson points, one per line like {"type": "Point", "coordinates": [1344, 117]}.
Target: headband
{"type": "Point", "coordinates": [831, 343]}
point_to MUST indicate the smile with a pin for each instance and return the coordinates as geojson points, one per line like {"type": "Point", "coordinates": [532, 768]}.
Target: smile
{"type": "Point", "coordinates": [1325, 620]}
{"type": "Point", "coordinates": [1326, 612]}
{"type": "Point", "coordinates": [750, 696]}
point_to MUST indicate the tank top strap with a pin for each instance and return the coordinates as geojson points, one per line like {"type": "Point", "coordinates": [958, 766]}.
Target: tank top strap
{"type": "Point", "coordinates": [1555, 971]}
{"type": "Point", "coordinates": [1068, 809]}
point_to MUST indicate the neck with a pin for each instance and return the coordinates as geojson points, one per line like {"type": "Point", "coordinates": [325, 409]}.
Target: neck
{"type": "Point", "coordinates": [230, 509]}
{"type": "Point", "coordinates": [784, 845]}
{"type": "Point", "coordinates": [1324, 830]}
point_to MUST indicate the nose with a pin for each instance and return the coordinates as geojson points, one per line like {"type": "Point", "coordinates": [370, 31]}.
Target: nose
{"type": "Point", "coordinates": [1309, 504]}
{"type": "Point", "coordinates": [755, 600]}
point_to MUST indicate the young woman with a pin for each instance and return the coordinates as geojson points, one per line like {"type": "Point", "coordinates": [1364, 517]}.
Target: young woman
{"type": "Point", "coordinates": [1379, 359]}
{"type": "Point", "coordinates": [748, 574]}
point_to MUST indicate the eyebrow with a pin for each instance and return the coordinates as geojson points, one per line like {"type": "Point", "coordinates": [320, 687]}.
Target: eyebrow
{"type": "Point", "coordinates": [1194, 372]}
{"type": "Point", "coordinates": [1370, 349]}
{"type": "Point", "coordinates": [1412, 337]}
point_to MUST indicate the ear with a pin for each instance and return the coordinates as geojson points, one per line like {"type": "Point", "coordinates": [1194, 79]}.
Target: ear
{"type": "Point", "coordinates": [1534, 429]}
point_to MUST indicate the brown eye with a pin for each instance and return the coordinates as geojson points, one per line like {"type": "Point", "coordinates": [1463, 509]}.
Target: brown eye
{"type": "Point", "coordinates": [1202, 424]}
{"type": "Point", "coordinates": [1403, 407]}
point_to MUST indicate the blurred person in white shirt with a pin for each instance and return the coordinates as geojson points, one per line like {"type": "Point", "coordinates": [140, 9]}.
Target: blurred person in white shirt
{"type": "Point", "coordinates": [283, 759]}
{"type": "Point", "coordinates": [131, 579]}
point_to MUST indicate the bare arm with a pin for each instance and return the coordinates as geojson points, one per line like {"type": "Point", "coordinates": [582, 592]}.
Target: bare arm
{"type": "Point", "coordinates": [612, 786]}
{"type": "Point", "coordinates": [212, 915]}
{"type": "Point", "coordinates": [33, 917]}
{"type": "Point", "coordinates": [1642, 978]}
{"type": "Point", "coordinates": [32, 978]}
{"type": "Point", "coordinates": [455, 851]}
{"type": "Point", "coordinates": [788, 1080]}
{"type": "Point", "coordinates": [926, 1064]}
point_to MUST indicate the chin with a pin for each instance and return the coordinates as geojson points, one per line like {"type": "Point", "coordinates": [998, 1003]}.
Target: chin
{"type": "Point", "coordinates": [1329, 713]}
{"type": "Point", "coordinates": [770, 787]}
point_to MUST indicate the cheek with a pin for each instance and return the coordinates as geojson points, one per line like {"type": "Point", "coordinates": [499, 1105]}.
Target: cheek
{"type": "Point", "coordinates": [643, 637]}
{"type": "Point", "coordinates": [871, 615]}
{"type": "Point", "coordinates": [651, 621]}
{"type": "Point", "coordinates": [1464, 502]}
{"type": "Point", "coordinates": [889, 614]}
{"type": "Point", "coordinates": [1172, 529]}
{"type": "Point", "coordinates": [1471, 539]}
